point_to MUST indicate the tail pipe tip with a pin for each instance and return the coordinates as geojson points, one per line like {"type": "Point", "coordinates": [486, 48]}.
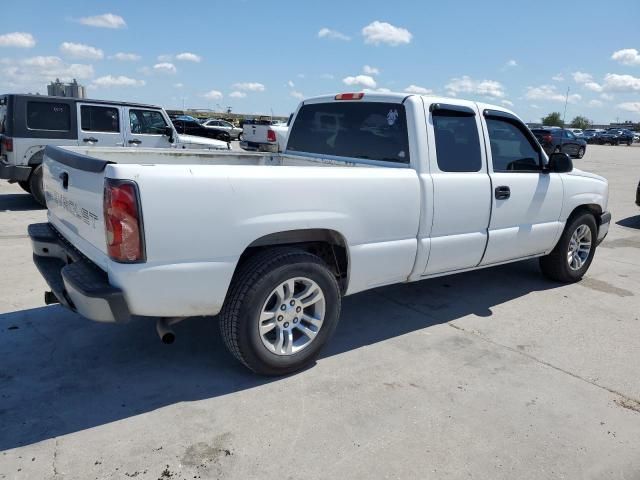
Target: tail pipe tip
{"type": "Point", "coordinates": [165, 332]}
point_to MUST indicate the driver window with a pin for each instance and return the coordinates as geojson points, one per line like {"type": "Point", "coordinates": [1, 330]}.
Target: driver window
{"type": "Point", "coordinates": [511, 150]}
{"type": "Point", "coordinates": [149, 122]}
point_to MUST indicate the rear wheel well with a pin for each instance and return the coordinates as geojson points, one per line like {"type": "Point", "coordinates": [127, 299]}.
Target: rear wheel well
{"type": "Point", "coordinates": [329, 245]}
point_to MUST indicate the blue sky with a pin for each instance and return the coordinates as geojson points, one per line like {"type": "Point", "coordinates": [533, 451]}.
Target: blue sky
{"type": "Point", "coordinates": [259, 56]}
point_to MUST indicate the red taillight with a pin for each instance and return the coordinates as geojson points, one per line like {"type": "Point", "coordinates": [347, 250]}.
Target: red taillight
{"type": "Point", "coordinates": [271, 135]}
{"type": "Point", "coordinates": [122, 221]}
{"type": "Point", "coordinates": [7, 143]}
{"type": "Point", "coordinates": [349, 96]}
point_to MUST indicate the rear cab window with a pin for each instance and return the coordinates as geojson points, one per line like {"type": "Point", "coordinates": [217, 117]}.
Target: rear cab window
{"type": "Point", "coordinates": [457, 140]}
{"type": "Point", "coordinates": [361, 130]}
{"type": "Point", "coordinates": [48, 116]}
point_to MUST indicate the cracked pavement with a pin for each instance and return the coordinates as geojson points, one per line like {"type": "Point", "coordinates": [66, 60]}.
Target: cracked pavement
{"type": "Point", "coordinates": [495, 374]}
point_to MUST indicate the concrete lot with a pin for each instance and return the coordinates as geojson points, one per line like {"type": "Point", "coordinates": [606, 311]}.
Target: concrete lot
{"type": "Point", "coordinates": [491, 374]}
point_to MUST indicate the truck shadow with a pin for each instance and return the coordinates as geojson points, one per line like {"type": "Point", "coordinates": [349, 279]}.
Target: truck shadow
{"type": "Point", "coordinates": [630, 222]}
{"type": "Point", "coordinates": [18, 202]}
{"type": "Point", "coordinates": [61, 374]}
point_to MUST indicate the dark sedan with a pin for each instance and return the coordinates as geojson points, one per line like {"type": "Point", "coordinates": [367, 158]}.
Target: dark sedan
{"type": "Point", "coordinates": [556, 140]}
{"type": "Point", "coordinates": [616, 136]}
{"type": "Point", "coordinates": [192, 127]}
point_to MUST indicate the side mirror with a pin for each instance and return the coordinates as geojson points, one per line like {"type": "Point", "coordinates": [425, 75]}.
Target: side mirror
{"type": "Point", "coordinates": [168, 132]}
{"type": "Point", "coordinates": [560, 163]}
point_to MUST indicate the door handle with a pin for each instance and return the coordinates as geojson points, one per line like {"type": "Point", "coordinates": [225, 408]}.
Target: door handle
{"type": "Point", "coordinates": [503, 192]}
{"type": "Point", "coordinates": [90, 139]}
{"type": "Point", "coordinates": [135, 141]}
{"type": "Point", "coordinates": [64, 178]}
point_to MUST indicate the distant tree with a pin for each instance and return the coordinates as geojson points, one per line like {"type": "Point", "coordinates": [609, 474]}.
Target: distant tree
{"type": "Point", "coordinates": [554, 119]}
{"type": "Point", "coordinates": [581, 122]}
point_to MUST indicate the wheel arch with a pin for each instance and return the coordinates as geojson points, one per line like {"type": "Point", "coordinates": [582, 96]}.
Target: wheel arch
{"type": "Point", "coordinates": [330, 245]}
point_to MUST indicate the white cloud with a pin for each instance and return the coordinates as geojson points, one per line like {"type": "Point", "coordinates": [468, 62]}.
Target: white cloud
{"type": "Point", "coordinates": [606, 96]}
{"type": "Point", "coordinates": [466, 84]}
{"type": "Point", "coordinates": [593, 86]}
{"type": "Point", "coordinates": [621, 83]}
{"type": "Point", "coordinates": [297, 95]}
{"type": "Point", "coordinates": [189, 57]}
{"type": "Point", "coordinates": [534, 106]}
{"type": "Point", "coordinates": [418, 90]}
{"type": "Point", "coordinates": [249, 86]}
{"type": "Point", "coordinates": [33, 73]}
{"type": "Point", "coordinates": [178, 85]}
{"type": "Point", "coordinates": [630, 107]}
{"type": "Point", "coordinates": [301, 75]}
{"type": "Point", "coordinates": [369, 70]}
{"type": "Point", "coordinates": [581, 77]}
{"type": "Point", "coordinates": [511, 63]}
{"type": "Point", "coordinates": [117, 81]}
{"type": "Point", "coordinates": [213, 95]}
{"type": "Point", "coordinates": [237, 94]}
{"type": "Point", "coordinates": [377, 33]}
{"type": "Point", "coordinates": [507, 103]}
{"type": "Point", "coordinates": [327, 76]}
{"type": "Point", "coordinates": [558, 78]}
{"type": "Point", "coordinates": [549, 92]}
{"type": "Point", "coordinates": [595, 103]}
{"type": "Point", "coordinates": [107, 20]}
{"type": "Point", "coordinates": [360, 80]}
{"type": "Point", "coordinates": [165, 67]}
{"type": "Point", "coordinates": [79, 50]}
{"type": "Point", "coordinates": [627, 56]}
{"type": "Point", "coordinates": [126, 57]}
{"type": "Point", "coordinates": [18, 40]}
{"type": "Point", "coordinates": [332, 34]}
{"type": "Point", "coordinates": [291, 84]}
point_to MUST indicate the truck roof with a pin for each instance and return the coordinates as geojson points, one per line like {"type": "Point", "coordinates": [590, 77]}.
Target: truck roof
{"type": "Point", "coordinates": [84, 100]}
{"type": "Point", "coordinates": [399, 97]}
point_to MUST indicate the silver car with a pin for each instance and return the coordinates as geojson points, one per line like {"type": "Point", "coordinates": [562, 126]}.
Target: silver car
{"type": "Point", "coordinates": [235, 132]}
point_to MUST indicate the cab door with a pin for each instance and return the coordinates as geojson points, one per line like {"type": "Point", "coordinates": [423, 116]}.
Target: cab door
{"type": "Point", "coordinates": [100, 125]}
{"type": "Point", "coordinates": [526, 201]}
{"type": "Point", "coordinates": [146, 128]}
{"type": "Point", "coordinates": [461, 188]}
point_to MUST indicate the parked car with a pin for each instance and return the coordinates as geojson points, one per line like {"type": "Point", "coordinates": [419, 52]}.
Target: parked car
{"type": "Point", "coordinates": [591, 135]}
{"type": "Point", "coordinates": [234, 132]}
{"type": "Point", "coordinates": [264, 136]}
{"type": "Point", "coordinates": [30, 122]}
{"type": "Point", "coordinates": [193, 127]}
{"type": "Point", "coordinates": [616, 136]}
{"type": "Point", "coordinates": [271, 242]}
{"type": "Point", "coordinates": [578, 132]}
{"type": "Point", "coordinates": [636, 137]}
{"type": "Point", "coordinates": [555, 140]}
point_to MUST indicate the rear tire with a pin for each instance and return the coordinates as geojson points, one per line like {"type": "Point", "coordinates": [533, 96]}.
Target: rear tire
{"type": "Point", "coordinates": [35, 185]}
{"type": "Point", "coordinates": [257, 319]}
{"type": "Point", "coordinates": [580, 152]}
{"type": "Point", "coordinates": [567, 262]}
{"type": "Point", "coordinates": [25, 186]}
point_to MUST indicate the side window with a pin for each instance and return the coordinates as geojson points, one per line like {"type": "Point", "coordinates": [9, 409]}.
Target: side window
{"type": "Point", "coordinates": [48, 116]}
{"type": "Point", "coordinates": [99, 119]}
{"type": "Point", "coordinates": [146, 122]}
{"type": "Point", "coordinates": [511, 149]}
{"type": "Point", "coordinates": [457, 141]}
{"type": "Point", "coordinates": [568, 134]}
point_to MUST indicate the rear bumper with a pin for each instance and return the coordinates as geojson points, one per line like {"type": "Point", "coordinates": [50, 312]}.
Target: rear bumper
{"type": "Point", "coordinates": [603, 228]}
{"type": "Point", "coordinates": [18, 173]}
{"type": "Point", "coordinates": [259, 147]}
{"type": "Point", "coordinates": [77, 283]}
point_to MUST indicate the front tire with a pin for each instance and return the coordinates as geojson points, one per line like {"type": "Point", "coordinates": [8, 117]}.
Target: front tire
{"type": "Point", "coordinates": [572, 256]}
{"type": "Point", "coordinates": [282, 307]}
{"type": "Point", "coordinates": [580, 152]}
{"type": "Point", "coordinates": [25, 186]}
{"type": "Point", "coordinates": [35, 185]}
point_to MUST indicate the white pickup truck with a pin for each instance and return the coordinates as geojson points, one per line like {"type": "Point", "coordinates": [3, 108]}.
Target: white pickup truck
{"type": "Point", "coordinates": [372, 189]}
{"type": "Point", "coordinates": [264, 136]}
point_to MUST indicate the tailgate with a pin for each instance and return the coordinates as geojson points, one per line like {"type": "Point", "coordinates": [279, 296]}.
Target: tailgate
{"type": "Point", "coordinates": [255, 133]}
{"type": "Point", "coordinates": [73, 185]}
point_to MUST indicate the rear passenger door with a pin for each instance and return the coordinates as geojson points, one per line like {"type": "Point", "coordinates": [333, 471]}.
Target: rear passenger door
{"type": "Point", "coordinates": [570, 142]}
{"type": "Point", "coordinates": [527, 201]}
{"type": "Point", "coordinates": [145, 128]}
{"type": "Point", "coordinates": [100, 125]}
{"type": "Point", "coordinates": [461, 188]}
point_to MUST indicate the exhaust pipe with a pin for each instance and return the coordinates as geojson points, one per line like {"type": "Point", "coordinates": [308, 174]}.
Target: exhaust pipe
{"type": "Point", "coordinates": [163, 327]}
